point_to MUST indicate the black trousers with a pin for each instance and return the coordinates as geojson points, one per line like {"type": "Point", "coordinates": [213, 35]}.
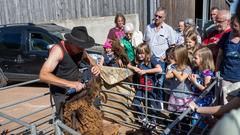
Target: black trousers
{"type": "Point", "coordinates": [59, 100]}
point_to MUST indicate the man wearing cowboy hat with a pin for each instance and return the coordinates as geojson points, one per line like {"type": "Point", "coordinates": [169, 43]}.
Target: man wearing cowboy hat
{"type": "Point", "coordinates": [61, 70]}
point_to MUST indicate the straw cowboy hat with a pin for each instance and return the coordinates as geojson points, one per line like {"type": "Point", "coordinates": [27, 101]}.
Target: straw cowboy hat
{"type": "Point", "coordinates": [79, 36]}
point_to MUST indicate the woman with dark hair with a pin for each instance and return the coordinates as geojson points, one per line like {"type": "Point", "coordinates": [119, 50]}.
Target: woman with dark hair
{"type": "Point", "coordinates": [117, 32]}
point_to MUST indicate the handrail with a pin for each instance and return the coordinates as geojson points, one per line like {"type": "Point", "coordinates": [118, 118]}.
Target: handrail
{"type": "Point", "coordinates": [31, 113]}
{"type": "Point", "coordinates": [19, 84]}
{"type": "Point", "coordinates": [32, 127]}
{"type": "Point", "coordinates": [15, 120]}
{"type": "Point", "coordinates": [65, 127]}
{"type": "Point", "coordinates": [24, 100]}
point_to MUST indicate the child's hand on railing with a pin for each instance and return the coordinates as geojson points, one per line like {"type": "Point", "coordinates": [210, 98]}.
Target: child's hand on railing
{"type": "Point", "coordinates": [142, 72]}
{"type": "Point", "coordinates": [192, 78]}
{"type": "Point", "coordinates": [137, 69]}
{"type": "Point", "coordinates": [170, 67]}
{"type": "Point", "coordinates": [193, 106]}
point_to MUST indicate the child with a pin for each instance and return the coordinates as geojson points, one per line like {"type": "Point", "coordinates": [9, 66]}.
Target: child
{"type": "Point", "coordinates": [202, 77]}
{"type": "Point", "coordinates": [108, 56]}
{"type": "Point", "coordinates": [179, 73]}
{"type": "Point", "coordinates": [191, 42]}
{"type": "Point", "coordinates": [170, 61]}
{"type": "Point", "coordinates": [121, 58]}
{"type": "Point", "coordinates": [146, 66]}
{"type": "Point", "coordinates": [115, 55]}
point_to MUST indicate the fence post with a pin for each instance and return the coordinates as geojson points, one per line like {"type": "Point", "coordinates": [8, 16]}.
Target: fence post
{"type": "Point", "coordinates": [33, 129]}
{"type": "Point", "coordinates": [57, 128]}
{"type": "Point", "coordinates": [217, 91]}
{"type": "Point", "coordinates": [146, 97]}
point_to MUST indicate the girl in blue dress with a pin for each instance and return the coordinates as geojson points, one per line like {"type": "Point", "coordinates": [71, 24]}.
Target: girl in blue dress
{"type": "Point", "coordinates": [202, 78]}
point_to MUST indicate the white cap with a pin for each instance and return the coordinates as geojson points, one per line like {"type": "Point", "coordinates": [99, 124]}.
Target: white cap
{"type": "Point", "coordinates": [189, 21]}
{"type": "Point", "coordinates": [128, 27]}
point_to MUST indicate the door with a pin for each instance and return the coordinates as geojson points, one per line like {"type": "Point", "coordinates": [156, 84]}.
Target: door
{"type": "Point", "coordinates": [38, 43]}
{"type": "Point", "coordinates": [11, 53]}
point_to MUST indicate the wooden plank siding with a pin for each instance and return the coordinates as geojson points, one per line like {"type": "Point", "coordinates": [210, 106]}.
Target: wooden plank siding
{"type": "Point", "coordinates": [20, 11]}
{"type": "Point", "coordinates": [219, 3]}
{"type": "Point", "coordinates": [178, 10]}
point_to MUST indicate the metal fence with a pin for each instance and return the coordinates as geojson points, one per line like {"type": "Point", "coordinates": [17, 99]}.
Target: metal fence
{"type": "Point", "coordinates": [32, 127]}
{"type": "Point", "coordinates": [165, 125]}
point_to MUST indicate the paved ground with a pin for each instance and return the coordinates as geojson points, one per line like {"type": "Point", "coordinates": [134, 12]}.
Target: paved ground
{"type": "Point", "coordinates": [17, 94]}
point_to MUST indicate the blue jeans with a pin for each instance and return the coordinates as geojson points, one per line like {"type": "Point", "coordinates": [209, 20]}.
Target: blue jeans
{"type": "Point", "coordinates": [141, 95]}
{"type": "Point", "coordinates": [159, 83]}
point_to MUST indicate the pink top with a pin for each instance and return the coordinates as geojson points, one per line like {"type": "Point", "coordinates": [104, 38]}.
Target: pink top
{"type": "Point", "coordinates": [116, 33]}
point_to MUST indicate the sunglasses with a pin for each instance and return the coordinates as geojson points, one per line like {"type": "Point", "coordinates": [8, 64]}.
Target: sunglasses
{"type": "Point", "coordinates": [158, 16]}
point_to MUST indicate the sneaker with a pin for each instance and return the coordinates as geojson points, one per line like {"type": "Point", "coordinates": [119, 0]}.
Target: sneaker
{"type": "Point", "coordinates": [152, 125]}
{"type": "Point", "coordinates": [141, 120]}
{"type": "Point", "coordinates": [144, 121]}
{"type": "Point", "coordinates": [162, 106]}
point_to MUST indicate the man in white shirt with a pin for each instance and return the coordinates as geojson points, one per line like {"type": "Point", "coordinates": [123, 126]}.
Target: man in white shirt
{"type": "Point", "coordinates": [159, 35]}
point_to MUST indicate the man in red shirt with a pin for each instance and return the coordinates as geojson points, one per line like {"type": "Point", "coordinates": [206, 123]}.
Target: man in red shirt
{"type": "Point", "coordinates": [223, 19]}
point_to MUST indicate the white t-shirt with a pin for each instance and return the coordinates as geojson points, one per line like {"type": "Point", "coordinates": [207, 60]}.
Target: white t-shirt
{"type": "Point", "coordinates": [159, 41]}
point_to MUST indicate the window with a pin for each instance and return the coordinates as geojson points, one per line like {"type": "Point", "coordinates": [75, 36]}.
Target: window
{"type": "Point", "coordinates": [39, 42]}
{"type": "Point", "coordinates": [10, 41]}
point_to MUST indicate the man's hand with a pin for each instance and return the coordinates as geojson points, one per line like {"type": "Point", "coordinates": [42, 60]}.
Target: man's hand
{"type": "Point", "coordinates": [95, 70]}
{"type": "Point", "coordinates": [78, 87]}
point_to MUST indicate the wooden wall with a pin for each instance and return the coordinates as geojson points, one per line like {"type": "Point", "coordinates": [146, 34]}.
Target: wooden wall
{"type": "Point", "coordinates": [178, 10]}
{"type": "Point", "coordinates": [219, 3]}
{"type": "Point", "coordinates": [20, 11]}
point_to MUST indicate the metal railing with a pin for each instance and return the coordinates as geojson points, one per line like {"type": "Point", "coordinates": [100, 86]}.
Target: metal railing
{"type": "Point", "coordinates": [31, 127]}
{"type": "Point", "coordinates": [164, 128]}
{"type": "Point", "coordinates": [58, 127]}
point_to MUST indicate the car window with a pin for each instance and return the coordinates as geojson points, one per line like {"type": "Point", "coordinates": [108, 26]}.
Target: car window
{"type": "Point", "coordinates": [40, 42]}
{"type": "Point", "coordinates": [10, 41]}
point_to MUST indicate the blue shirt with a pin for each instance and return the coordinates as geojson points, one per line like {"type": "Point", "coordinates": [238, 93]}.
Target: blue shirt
{"type": "Point", "coordinates": [230, 65]}
{"type": "Point", "coordinates": [109, 60]}
{"type": "Point", "coordinates": [151, 77]}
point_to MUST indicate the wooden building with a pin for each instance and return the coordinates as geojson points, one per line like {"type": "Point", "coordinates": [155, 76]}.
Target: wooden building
{"type": "Point", "coordinates": [20, 11]}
